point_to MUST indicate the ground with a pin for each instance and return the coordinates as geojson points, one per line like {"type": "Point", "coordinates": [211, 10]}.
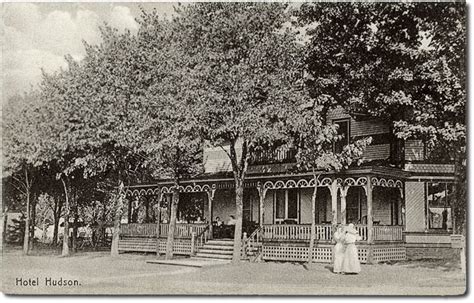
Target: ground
{"type": "Point", "coordinates": [99, 273]}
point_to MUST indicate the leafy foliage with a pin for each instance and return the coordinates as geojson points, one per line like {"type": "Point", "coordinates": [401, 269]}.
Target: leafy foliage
{"type": "Point", "coordinates": [402, 62]}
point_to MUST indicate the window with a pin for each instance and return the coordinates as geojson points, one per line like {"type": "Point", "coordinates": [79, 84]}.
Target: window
{"type": "Point", "coordinates": [344, 131]}
{"type": "Point", "coordinates": [292, 204]}
{"type": "Point", "coordinates": [286, 206]}
{"type": "Point", "coordinates": [439, 201]}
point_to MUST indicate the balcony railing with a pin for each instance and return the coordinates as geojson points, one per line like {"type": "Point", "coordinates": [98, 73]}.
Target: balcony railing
{"type": "Point", "coordinates": [276, 156]}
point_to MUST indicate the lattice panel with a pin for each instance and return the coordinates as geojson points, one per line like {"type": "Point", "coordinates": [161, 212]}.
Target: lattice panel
{"type": "Point", "coordinates": [180, 246]}
{"type": "Point", "coordinates": [285, 253]}
{"type": "Point", "coordinates": [381, 254]}
{"type": "Point", "coordinates": [363, 252]}
{"type": "Point", "coordinates": [321, 254]}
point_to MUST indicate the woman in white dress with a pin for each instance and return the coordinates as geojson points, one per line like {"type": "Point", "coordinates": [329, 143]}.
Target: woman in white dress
{"type": "Point", "coordinates": [338, 250]}
{"type": "Point", "coordinates": [351, 263]}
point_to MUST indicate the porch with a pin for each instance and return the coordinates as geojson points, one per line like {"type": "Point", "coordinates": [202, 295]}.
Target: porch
{"type": "Point", "coordinates": [277, 215]}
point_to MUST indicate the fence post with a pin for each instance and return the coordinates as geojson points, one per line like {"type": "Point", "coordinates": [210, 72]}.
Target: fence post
{"type": "Point", "coordinates": [193, 243]}
{"type": "Point", "coordinates": [244, 246]}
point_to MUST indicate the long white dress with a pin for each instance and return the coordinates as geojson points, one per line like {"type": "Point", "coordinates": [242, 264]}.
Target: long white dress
{"type": "Point", "coordinates": [338, 251]}
{"type": "Point", "coordinates": [351, 263]}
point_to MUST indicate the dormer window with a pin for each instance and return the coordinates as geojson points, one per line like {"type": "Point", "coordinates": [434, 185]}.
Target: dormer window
{"type": "Point", "coordinates": [344, 131]}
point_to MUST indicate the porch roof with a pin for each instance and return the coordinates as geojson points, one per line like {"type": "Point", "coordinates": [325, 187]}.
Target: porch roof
{"type": "Point", "coordinates": [224, 180]}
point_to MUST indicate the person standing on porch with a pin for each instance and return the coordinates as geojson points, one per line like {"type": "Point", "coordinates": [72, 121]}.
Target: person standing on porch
{"type": "Point", "coordinates": [338, 249]}
{"type": "Point", "coordinates": [351, 263]}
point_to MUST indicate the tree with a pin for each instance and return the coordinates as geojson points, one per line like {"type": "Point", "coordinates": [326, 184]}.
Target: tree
{"type": "Point", "coordinates": [172, 138]}
{"type": "Point", "coordinates": [91, 105]}
{"type": "Point", "coordinates": [20, 150]}
{"type": "Point", "coordinates": [403, 63]}
{"type": "Point", "coordinates": [240, 71]}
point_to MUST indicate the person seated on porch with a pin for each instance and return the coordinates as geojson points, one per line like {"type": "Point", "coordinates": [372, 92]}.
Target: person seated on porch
{"type": "Point", "coordinates": [231, 220]}
{"type": "Point", "coordinates": [218, 222]}
{"type": "Point", "coordinates": [228, 229]}
{"type": "Point", "coordinates": [217, 227]}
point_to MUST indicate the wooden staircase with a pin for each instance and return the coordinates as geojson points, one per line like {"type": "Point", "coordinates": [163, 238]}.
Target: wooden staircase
{"type": "Point", "coordinates": [220, 249]}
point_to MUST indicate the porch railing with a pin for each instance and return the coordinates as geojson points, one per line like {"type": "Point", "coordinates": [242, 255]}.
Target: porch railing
{"type": "Point", "coordinates": [302, 232]}
{"type": "Point", "coordinates": [183, 230]}
{"type": "Point", "coordinates": [296, 232]}
{"type": "Point", "coordinates": [388, 233]}
{"type": "Point", "coordinates": [288, 232]}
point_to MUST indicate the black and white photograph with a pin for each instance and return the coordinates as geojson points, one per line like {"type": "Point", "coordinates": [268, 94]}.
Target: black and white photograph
{"type": "Point", "coordinates": [234, 148]}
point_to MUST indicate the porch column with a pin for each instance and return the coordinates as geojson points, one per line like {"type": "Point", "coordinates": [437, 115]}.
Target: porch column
{"type": "Point", "coordinates": [210, 198]}
{"type": "Point", "coordinates": [370, 222]}
{"type": "Point", "coordinates": [401, 209]}
{"type": "Point", "coordinates": [262, 192]}
{"type": "Point", "coordinates": [333, 190]}
{"type": "Point", "coordinates": [343, 204]}
{"type": "Point", "coordinates": [129, 210]}
{"type": "Point", "coordinates": [158, 223]}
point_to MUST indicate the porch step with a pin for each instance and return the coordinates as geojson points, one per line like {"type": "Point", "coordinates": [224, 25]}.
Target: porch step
{"type": "Point", "coordinates": [213, 256]}
{"type": "Point", "coordinates": [220, 242]}
{"type": "Point", "coordinates": [206, 250]}
{"type": "Point", "coordinates": [218, 247]}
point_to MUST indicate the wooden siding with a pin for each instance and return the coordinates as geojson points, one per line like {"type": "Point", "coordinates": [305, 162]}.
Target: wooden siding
{"type": "Point", "coordinates": [377, 152]}
{"type": "Point", "coordinates": [415, 206]}
{"type": "Point", "coordinates": [368, 127]}
{"type": "Point", "coordinates": [359, 127]}
{"type": "Point", "coordinates": [428, 238]}
{"type": "Point", "coordinates": [414, 150]}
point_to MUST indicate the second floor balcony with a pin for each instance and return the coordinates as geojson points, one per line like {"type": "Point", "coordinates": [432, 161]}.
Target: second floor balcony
{"type": "Point", "coordinates": [280, 155]}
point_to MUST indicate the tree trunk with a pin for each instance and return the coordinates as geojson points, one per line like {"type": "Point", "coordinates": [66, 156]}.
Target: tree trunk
{"type": "Point", "coordinates": [460, 200]}
{"type": "Point", "coordinates": [74, 229]}
{"type": "Point", "coordinates": [26, 236]}
{"type": "Point", "coordinates": [239, 197]}
{"type": "Point", "coordinates": [65, 251]}
{"type": "Point", "coordinates": [55, 230]}
{"type": "Point", "coordinates": [5, 225]}
{"type": "Point", "coordinates": [118, 217]}
{"type": "Point", "coordinates": [58, 207]}
{"type": "Point", "coordinates": [158, 226]}
{"type": "Point", "coordinates": [312, 238]}
{"type": "Point", "coordinates": [172, 224]}
{"type": "Point", "coordinates": [32, 223]}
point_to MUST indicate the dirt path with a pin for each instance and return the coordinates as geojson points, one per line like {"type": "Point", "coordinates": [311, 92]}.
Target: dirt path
{"type": "Point", "coordinates": [98, 273]}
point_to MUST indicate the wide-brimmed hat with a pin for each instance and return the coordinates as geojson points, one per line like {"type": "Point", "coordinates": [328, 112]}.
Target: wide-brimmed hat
{"type": "Point", "coordinates": [351, 229]}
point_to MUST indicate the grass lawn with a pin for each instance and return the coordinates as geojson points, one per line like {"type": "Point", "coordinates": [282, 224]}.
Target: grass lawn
{"type": "Point", "coordinates": [98, 273]}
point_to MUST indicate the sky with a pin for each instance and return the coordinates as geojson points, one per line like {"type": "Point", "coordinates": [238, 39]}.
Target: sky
{"type": "Point", "coordinates": [39, 35]}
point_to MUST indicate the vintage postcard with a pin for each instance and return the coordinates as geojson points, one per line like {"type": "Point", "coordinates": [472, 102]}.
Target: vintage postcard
{"type": "Point", "coordinates": [234, 148]}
